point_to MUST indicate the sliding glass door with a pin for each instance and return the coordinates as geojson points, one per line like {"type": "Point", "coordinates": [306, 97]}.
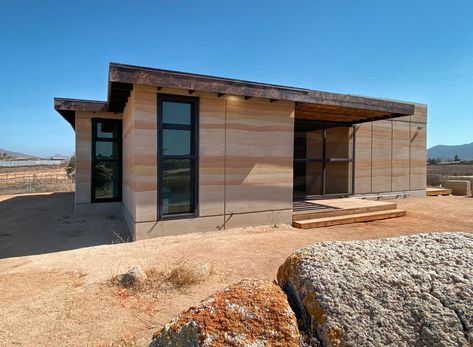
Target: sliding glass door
{"type": "Point", "coordinates": [178, 142]}
{"type": "Point", "coordinates": [323, 160]}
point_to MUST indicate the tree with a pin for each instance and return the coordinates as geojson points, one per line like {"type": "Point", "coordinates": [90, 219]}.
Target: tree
{"type": "Point", "coordinates": [457, 158]}
{"type": "Point", "coordinates": [71, 165]}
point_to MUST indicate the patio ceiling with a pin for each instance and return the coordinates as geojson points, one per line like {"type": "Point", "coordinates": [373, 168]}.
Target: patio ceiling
{"type": "Point", "coordinates": [341, 114]}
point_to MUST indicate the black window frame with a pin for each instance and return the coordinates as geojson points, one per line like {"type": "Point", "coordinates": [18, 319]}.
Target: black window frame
{"type": "Point", "coordinates": [194, 152]}
{"type": "Point", "coordinates": [94, 160]}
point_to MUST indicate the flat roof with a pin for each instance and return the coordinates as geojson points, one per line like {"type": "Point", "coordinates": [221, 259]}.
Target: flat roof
{"type": "Point", "coordinates": [310, 104]}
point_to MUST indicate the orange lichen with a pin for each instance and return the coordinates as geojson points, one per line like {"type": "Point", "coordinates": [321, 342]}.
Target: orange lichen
{"type": "Point", "coordinates": [249, 311]}
{"type": "Point", "coordinates": [287, 269]}
{"type": "Point", "coordinates": [288, 273]}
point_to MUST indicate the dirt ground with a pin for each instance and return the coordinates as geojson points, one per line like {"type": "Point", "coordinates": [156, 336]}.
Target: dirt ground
{"type": "Point", "coordinates": [59, 295]}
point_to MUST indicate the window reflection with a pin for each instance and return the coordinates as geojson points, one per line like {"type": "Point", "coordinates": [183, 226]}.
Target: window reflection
{"type": "Point", "coordinates": [176, 142]}
{"type": "Point", "coordinates": [178, 157]}
{"type": "Point", "coordinates": [108, 130]}
{"type": "Point", "coordinates": [106, 150]}
{"type": "Point", "coordinates": [176, 112]}
{"type": "Point", "coordinates": [106, 180]}
{"type": "Point", "coordinates": [177, 191]}
{"type": "Point", "coordinates": [106, 160]}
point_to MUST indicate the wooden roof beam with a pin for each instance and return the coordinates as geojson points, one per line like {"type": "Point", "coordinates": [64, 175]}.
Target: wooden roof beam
{"type": "Point", "coordinates": [174, 79]}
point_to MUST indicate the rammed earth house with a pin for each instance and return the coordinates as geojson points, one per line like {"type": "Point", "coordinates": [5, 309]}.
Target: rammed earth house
{"type": "Point", "coordinates": [180, 152]}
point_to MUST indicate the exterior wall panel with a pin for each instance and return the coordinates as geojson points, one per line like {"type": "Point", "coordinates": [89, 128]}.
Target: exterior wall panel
{"type": "Point", "coordinates": [145, 168]}
{"type": "Point", "coordinates": [400, 159]}
{"type": "Point", "coordinates": [392, 162]}
{"type": "Point", "coordinates": [128, 153]}
{"type": "Point", "coordinates": [418, 157]}
{"type": "Point", "coordinates": [363, 158]}
{"type": "Point", "coordinates": [211, 156]}
{"type": "Point", "coordinates": [83, 127]}
{"type": "Point", "coordinates": [420, 114]}
{"type": "Point", "coordinates": [381, 156]}
{"type": "Point", "coordinates": [259, 155]}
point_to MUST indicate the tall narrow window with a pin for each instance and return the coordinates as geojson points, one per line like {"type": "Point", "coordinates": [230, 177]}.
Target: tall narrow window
{"type": "Point", "coordinates": [106, 160]}
{"type": "Point", "coordinates": [178, 142]}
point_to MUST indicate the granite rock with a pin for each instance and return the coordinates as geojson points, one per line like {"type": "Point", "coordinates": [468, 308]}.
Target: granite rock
{"type": "Point", "coordinates": [404, 291]}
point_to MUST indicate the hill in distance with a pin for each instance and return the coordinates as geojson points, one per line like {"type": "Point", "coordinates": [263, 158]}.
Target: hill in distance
{"type": "Point", "coordinates": [17, 154]}
{"type": "Point", "coordinates": [444, 152]}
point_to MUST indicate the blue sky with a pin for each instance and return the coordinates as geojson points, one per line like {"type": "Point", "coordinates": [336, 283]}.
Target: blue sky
{"type": "Point", "coordinates": [410, 50]}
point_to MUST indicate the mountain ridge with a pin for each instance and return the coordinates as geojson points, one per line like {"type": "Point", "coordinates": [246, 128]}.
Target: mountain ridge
{"type": "Point", "coordinates": [464, 152]}
{"type": "Point", "coordinates": [31, 156]}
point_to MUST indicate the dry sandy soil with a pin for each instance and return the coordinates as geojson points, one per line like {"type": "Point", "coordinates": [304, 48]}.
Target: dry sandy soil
{"type": "Point", "coordinates": [64, 298]}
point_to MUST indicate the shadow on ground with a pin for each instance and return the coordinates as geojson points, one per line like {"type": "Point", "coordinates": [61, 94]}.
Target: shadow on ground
{"type": "Point", "coordinates": [37, 224]}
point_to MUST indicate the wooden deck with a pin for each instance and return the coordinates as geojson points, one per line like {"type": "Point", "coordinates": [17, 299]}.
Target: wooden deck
{"type": "Point", "coordinates": [431, 191]}
{"type": "Point", "coordinates": [320, 213]}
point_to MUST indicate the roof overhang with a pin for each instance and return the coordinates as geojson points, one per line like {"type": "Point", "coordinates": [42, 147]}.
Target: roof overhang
{"type": "Point", "coordinates": [68, 107]}
{"type": "Point", "coordinates": [310, 104]}
{"type": "Point", "coordinates": [354, 108]}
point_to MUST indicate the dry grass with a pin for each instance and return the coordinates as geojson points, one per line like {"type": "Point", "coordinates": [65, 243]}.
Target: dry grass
{"type": "Point", "coordinates": [180, 275]}
{"type": "Point", "coordinates": [451, 169]}
{"type": "Point", "coordinates": [185, 273]}
{"type": "Point", "coordinates": [125, 342]}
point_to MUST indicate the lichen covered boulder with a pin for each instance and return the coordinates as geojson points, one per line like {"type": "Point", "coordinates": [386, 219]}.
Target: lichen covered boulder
{"type": "Point", "coordinates": [248, 313]}
{"type": "Point", "coordinates": [405, 291]}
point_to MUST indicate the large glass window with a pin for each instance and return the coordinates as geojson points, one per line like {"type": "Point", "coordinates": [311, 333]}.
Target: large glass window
{"type": "Point", "coordinates": [106, 160]}
{"type": "Point", "coordinates": [178, 155]}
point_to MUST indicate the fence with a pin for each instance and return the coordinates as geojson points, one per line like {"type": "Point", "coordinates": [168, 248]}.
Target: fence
{"type": "Point", "coordinates": [31, 162]}
{"type": "Point", "coordinates": [20, 183]}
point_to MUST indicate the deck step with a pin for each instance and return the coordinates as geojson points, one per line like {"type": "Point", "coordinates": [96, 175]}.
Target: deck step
{"type": "Point", "coordinates": [348, 219]}
{"type": "Point", "coordinates": [305, 215]}
{"type": "Point", "coordinates": [438, 191]}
